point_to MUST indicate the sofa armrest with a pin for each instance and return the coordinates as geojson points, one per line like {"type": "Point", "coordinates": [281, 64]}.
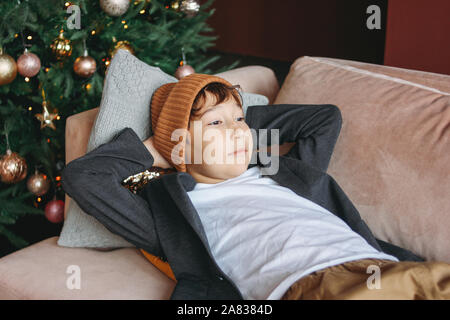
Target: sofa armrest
{"type": "Point", "coordinates": [78, 131]}
{"type": "Point", "coordinates": [254, 79]}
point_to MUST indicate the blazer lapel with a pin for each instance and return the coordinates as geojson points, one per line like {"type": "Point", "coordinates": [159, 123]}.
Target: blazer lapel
{"type": "Point", "coordinates": [177, 185]}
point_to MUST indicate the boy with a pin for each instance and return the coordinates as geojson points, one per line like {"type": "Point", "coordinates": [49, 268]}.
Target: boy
{"type": "Point", "coordinates": [228, 229]}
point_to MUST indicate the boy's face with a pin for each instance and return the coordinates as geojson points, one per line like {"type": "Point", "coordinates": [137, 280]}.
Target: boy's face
{"type": "Point", "coordinates": [219, 145]}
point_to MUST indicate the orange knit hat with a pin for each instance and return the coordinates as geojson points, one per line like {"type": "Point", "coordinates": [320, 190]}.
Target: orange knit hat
{"type": "Point", "coordinates": [171, 108]}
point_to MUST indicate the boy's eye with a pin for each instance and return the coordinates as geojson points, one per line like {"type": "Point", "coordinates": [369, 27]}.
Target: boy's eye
{"type": "Point", "coordinates": [217, 121]}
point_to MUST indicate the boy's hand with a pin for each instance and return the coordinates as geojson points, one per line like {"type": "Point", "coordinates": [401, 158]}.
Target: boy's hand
{"type": "Point", "coordinates": [159, 161]}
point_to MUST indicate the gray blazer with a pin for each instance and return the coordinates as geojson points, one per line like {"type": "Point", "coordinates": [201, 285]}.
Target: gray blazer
{"type": "Point", "coordinates": [162, 220]}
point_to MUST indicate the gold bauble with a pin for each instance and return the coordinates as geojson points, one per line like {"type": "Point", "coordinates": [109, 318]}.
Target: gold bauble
{"type": "Point", "coordinates": [125, 45]}
{"type": "Point", "coordinates": [13, 168]}
{"type": "Point", "coordinates": [85, 66]}
{"type": "Point", "coordinates": [8, 68]}
{"type": "Point", "coordinates": [61, 47]}
{"type": "Point", "coordinates": [38, 184]}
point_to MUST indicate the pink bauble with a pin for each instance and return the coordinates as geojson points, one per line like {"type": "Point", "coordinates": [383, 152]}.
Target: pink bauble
{"type": "Point", "coordinates": [184, 71]}
{"type": "Point", "coordinates": [54, 211]}
{"type": "Point", "coordinates": [28, 64]}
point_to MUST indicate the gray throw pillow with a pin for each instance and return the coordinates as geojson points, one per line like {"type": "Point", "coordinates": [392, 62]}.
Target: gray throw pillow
{"type": "Point", "coordinates": [128, 88]}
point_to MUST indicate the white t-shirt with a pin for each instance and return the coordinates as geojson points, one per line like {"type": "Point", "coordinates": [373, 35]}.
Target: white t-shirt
{"type": "Point", "coordinates": [265, 237]}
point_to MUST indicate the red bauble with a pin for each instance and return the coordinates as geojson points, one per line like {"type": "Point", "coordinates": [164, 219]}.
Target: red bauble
{"type": "Point", "coordinates": [54, 211]}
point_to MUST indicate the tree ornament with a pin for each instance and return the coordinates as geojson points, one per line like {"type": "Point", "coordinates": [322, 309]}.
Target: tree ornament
{"type": "Point", "coordinates": [190, 7]}
{"type": "Point", "coordinates": [184, 69]}
{"type": "Point", "coordinates": [38, 183]}
{"type": "Point", "coordinates": [85, 65]}
{"type": "Point", "coordinates": [125, 45]}
{"type": "Point", "coordinates": [114, 8]}
{"type": "Point", "coordinates": [8, 68]}
{"type": "Point", "coordinates": [13, 168]}
{"type": "Point", "coordinates": [175, 5]}
{"type": "Point", "coordinates": [61, 47]}
{"type": "Point", "coordinates": [28, 64]}
{"type": "Point", "coordinates": [46, 118]}
{"type": "Point", "coordinates": [54, 210]}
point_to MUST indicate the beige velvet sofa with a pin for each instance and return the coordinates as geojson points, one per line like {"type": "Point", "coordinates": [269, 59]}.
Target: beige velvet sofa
{"type": "Point", "coordinates": [375, 101]}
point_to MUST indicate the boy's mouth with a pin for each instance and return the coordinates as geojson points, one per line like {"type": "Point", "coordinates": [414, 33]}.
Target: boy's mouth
{"type": "Point", "coordinates": [238, 151]}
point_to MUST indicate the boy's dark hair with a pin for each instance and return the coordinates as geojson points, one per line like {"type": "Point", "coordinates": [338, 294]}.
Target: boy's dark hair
{"type": "Point", "coordinates": [220, 92]}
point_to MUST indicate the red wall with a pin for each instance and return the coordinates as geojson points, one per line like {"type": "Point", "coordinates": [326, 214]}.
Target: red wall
{"type": "Point", "coordinates": [418, 35]}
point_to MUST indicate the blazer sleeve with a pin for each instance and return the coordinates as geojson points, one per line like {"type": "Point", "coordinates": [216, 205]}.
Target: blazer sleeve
{"type": "Point", "coordinates": [314, 128]}
{"type": "Point", "coordinates": [94, 181]}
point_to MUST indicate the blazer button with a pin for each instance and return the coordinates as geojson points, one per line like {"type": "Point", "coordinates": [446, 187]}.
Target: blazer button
{"type": "Point", "coordinates": [219, 277]}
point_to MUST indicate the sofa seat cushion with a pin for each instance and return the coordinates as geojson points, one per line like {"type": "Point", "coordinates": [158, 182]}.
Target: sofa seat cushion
{"type": "Point", "coordinates": [47, 271]}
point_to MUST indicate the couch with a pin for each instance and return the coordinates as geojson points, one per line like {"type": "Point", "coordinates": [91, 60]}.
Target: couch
{"type": "Point", "coordinates": [360, 164]}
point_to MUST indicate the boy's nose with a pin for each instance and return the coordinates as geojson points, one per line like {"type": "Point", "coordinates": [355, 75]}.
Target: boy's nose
{"type": "Point", "coordinates": [237, 131]}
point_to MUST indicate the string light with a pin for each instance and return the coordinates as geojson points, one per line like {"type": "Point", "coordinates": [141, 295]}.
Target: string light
{"type": "Point", "coordinates": [30, 108]}
{"type": "Point", "coordinates": [27, 79]}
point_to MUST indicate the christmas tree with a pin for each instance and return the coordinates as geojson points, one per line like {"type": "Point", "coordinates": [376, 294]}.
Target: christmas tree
{"type": "Point", "coordinates": [53, 59]}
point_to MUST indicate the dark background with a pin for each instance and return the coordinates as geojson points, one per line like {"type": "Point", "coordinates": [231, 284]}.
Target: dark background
{"type": "Point", "coordinates": [414, 34]}
{"type": "Point", "coordinates": [275, 33]}
{"type": "Point", "coordinates": [285, 30]}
